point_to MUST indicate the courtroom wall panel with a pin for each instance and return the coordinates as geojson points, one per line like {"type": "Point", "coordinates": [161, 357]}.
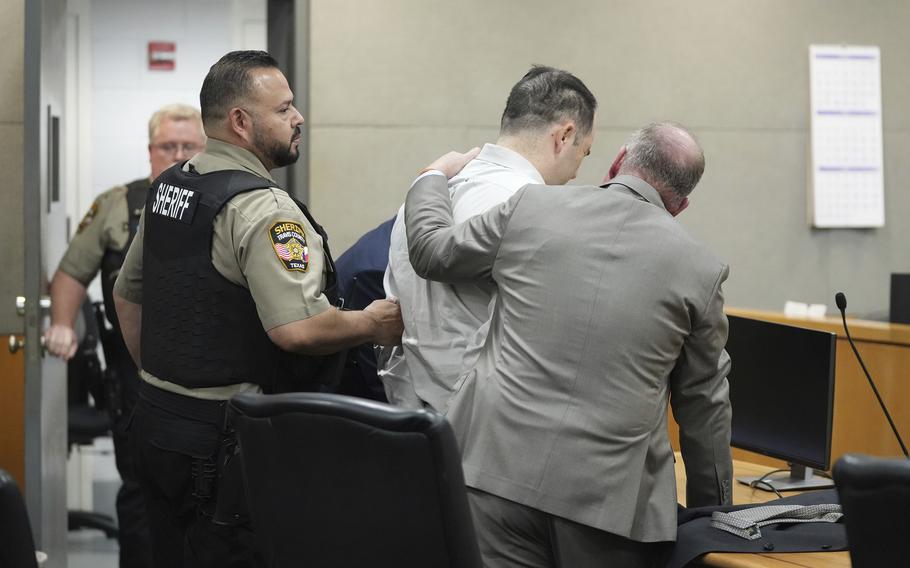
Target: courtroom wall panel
{"type": "Point", "coordinates": [394, 83]}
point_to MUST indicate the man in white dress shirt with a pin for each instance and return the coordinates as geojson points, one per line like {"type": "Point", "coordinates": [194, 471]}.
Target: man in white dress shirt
{"type": "Point", "coordinates": [546, 131]}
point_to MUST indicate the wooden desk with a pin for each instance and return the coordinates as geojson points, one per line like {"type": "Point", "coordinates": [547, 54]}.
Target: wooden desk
{"type": "Point", "coordinates": [745, 494]}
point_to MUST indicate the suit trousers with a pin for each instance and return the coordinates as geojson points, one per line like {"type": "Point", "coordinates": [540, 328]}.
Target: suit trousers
{"type": "Point", "coordinates": [512, 535]}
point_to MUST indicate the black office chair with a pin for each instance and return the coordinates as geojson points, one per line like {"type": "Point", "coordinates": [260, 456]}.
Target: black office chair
{"type": "Point", "coordinates": [875, 495]}
{"type": "Point", "coordinates": [17, 547]}
{"type": "Point", "coordinates": [337, 481]}
{"type": "Point", "coordinates": [88, 416]}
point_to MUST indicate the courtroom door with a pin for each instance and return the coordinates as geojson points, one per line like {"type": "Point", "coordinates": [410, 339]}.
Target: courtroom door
{"type": "Point", "coordinates": [33, 394]}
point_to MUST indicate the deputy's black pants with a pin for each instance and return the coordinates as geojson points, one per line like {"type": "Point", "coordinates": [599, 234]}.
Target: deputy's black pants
{"type": "Point", "coordinates": [135, 539]}
{"type": "Point", "coordinates": [172, 438]}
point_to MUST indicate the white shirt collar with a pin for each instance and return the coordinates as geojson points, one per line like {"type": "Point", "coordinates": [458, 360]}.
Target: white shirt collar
{"type": "Point", "coordinates": [506, 158]}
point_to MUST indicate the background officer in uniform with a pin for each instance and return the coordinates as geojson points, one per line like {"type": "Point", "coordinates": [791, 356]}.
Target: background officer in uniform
{"type": "Point", "coordinates": [100, 243]}
{"type": "Point", "coordinates": [241, 296]}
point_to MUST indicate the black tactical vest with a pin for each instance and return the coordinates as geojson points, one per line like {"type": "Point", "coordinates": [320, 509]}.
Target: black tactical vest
{"type": "Point", "coordinates": [199, 329]}
{"type": "Point", "coordinates": [112, 260]}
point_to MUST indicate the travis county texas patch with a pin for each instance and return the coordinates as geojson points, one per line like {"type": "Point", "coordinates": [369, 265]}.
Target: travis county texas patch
{"type": "Point", "coordinates": [289, 243]}
{"type": "Point", "coordinates": [89, 217]}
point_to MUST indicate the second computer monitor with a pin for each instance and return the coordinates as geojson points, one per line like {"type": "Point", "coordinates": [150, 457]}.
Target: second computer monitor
{"type": "Point", "coordinates": [900, 298]}
{"type": "Point", "coordinates": [782, 392]}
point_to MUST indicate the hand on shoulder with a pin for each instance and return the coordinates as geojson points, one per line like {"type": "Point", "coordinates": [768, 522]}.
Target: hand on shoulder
{"type": "Point", "coordinates": [452, 162]}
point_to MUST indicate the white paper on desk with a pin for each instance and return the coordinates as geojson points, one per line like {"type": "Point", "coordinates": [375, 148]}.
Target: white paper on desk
{"type": "Point", "coordinates": [847, 181]}
{"type": "Point", "coordinates": [795, 309]}
{"type": "Point", "coordinates": [816, 311]}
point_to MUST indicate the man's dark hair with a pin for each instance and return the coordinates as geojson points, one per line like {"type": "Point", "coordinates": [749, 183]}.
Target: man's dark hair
{"type": "Point", "coordinates": [545, 96]}
{"type": "Point", "coordinates": [668, 155]}
{"type": "Point", "coordinates": [228, 81]}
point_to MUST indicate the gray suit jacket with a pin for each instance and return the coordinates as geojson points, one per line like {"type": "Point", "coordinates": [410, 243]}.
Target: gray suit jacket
{"type": "Point", "coordinates": [607, 309]}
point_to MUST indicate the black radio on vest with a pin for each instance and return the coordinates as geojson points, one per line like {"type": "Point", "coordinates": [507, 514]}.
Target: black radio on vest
{"type": "Point", "coordinates": [199, 329]}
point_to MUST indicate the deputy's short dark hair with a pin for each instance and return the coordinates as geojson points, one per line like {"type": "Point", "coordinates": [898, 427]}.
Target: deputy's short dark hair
{"type": "Point", "coordinates": [544, 96]}
{"type": "Point", "coordinates": [228, 81]}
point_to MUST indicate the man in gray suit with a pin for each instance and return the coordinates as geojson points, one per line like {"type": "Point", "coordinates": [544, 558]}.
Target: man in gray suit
{"type": "Point", "coordinates": [607, 309]}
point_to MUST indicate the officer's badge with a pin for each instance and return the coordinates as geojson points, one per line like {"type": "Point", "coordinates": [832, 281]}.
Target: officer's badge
{"type": "Point", "coordinates": [289, 242]}
{"type": "Point", "coordinates": [89, 217]}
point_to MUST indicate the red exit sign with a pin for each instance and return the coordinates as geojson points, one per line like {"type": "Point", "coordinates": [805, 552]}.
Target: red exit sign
{"type": "Point", "coordinates": [162, 55]}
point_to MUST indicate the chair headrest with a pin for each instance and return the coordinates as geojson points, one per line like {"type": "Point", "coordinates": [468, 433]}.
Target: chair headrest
{"type": "Point", "coordinates": [376, 414]}
{"type": "Point", "coordinates": [869, 472]}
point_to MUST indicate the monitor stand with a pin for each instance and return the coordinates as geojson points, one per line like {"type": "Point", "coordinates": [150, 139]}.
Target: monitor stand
{"type": "Point", "coordinates": [799, 478]}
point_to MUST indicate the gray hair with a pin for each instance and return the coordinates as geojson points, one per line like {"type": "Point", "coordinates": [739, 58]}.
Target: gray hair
{"type": "Point", "coordinates": [667, 155]}
{"type": "Point", "coordinates": [175, 112]}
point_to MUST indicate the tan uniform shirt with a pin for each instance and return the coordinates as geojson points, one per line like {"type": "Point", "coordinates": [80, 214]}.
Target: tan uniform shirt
{"type": "Point", "coordinates": [104, 227]}
{"type": "Point", "coordinates": [244, 253]}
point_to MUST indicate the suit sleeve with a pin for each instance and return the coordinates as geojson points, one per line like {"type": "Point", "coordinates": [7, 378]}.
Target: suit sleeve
{"type": "Point", "coordinates": [701, 405]}
{"type": "Point", "coordinates": [442, 251]}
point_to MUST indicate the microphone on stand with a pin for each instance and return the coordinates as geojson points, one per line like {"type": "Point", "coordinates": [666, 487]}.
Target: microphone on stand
{"type": "Point", "coordinates": [841, 302]}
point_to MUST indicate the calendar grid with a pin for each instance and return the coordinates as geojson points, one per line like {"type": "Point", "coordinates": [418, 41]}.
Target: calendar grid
{"type": "Point", "coordinates": [847, 185]}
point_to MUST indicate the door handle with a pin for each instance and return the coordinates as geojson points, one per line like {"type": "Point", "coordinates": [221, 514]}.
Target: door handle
{"type": "Point", "coordinates": [44, 303]}
{"type": "Point", "coordinates": [17, 343]}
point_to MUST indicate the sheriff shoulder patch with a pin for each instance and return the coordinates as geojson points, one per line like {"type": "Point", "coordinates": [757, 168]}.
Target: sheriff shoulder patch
{"type": "Point", "coordinates": [289, 242]}
{"type": "Point", "coordinates": [89, 217]}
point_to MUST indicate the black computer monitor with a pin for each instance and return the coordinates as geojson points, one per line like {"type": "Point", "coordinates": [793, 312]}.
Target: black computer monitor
{"type": "Point", "coordinates": [900, 298]}
{"type": "Point", "coordinates": [782, 395]}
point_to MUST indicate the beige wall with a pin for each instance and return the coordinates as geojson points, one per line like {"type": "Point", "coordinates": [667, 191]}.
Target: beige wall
{"type": "Point", "coordinates": [395, 83]}
{"type": "Point", "coordinates": [12, 56]}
